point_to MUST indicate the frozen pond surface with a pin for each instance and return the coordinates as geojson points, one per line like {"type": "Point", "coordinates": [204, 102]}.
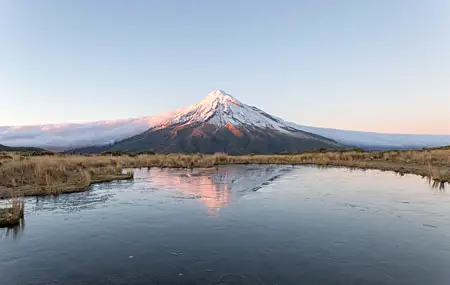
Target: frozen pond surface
{"type": "Point", "coordinates": [236, 225]}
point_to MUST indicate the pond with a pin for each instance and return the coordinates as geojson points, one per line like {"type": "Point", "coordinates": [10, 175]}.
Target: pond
{"type": "Point", "coordinates": [236, 225]}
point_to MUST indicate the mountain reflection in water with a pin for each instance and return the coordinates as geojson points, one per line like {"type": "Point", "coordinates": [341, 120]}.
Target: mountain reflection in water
{"type": "Point", "coordinates": [216, 187]}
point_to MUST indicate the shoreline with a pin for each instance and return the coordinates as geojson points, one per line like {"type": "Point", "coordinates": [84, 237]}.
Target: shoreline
{"type": "Point", "coordinates": [30, 191]}
{"type": "Point", "coordinates": [23, 176]}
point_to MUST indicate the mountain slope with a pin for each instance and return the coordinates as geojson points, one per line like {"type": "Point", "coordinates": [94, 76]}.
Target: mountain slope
{"type": "Point", "coordinates": [221, 123]}
{"type": "Point", "coordinates": [207, 138]}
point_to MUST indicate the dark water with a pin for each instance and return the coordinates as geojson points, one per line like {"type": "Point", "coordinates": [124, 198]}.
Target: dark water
{"type": "Point", "coordinates": [236, 225]}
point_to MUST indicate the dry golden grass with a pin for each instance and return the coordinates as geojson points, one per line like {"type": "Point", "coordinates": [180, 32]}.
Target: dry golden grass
{"type": "Point", "coordinates": [52, 175]}
{"type": "Point", "coordinates": [47, 175]}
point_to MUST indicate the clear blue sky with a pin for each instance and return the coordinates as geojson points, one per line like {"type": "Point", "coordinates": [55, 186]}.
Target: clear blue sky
{"type": "Point", "coordinates": [367, 65]}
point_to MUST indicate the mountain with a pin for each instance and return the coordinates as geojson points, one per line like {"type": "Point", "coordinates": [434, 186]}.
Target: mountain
{"type": "Point", "coordinates": [77, 135]}
{"type": "Point", "coordinates": [220, 123]}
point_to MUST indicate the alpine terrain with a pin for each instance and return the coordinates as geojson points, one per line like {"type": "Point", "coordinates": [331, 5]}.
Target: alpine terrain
{"type": "Point", "coordinates": [220, 123]}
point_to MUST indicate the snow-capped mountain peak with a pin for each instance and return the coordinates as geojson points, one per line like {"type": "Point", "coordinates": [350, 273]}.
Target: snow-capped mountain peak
{"type": "Point", "coordinates": [214, 104]}
{"type": "Point", "coordinates": [221, 109]}
{"type": "Point", "coordinates": [219, 97]}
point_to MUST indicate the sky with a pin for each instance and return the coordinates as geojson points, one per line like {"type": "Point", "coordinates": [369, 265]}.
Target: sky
{"type": "Point", "coordinates": [380, 66]}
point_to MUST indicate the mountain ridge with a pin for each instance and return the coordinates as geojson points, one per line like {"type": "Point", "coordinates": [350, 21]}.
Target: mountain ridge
{"type": "Point", "coordinates": [19, 148]}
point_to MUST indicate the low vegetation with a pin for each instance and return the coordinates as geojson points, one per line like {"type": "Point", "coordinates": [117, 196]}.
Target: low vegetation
{"type": "Point", "coordinates": [12, 215]}
{"type": "Point", "coordinates": [51, 175]}
{"type": "Point", "coordinates": [26, 175]}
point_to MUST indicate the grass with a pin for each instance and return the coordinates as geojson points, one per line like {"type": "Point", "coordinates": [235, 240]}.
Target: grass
{"type": "Point", "coordinates": [52, 175]}
{"type": "Point", "coordinates": [12, 215]}
{"type": "Point", "coordinates": [65, 173]}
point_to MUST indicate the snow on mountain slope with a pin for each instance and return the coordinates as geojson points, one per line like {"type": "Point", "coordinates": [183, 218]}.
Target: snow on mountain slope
{"type": "Point", "coordinates": [218, 108]}
{"type": "Point", "coordinates": [222, 109]}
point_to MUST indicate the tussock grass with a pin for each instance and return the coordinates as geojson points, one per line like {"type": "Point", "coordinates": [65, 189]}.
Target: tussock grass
{"type": "Point", "coordinates": [54, 174]}
{"type": "Point", "coordinates": [12, 215]}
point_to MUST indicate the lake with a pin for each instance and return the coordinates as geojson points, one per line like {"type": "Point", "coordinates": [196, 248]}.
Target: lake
{"type": "Point", "coordinates": [236, 225]}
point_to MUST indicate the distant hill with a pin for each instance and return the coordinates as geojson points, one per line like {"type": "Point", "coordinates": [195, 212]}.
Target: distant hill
{"type": "Point", "coordinates": [439, 148]}
{"type": "Point", "coordinates": [10, 148]}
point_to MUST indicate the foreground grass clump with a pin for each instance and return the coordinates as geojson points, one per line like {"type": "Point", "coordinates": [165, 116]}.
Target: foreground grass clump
{"type": "Point", "coordinates": [65, 173]}
{"type": "Point", "coordinates": [12, 215]}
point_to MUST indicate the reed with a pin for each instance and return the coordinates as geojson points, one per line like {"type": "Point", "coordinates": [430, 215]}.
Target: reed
{"type": "Point", "coordinates": [13, 214]}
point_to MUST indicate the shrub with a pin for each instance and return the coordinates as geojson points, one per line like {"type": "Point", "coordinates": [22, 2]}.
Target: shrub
{"type": "Point", "coordinates": [113, 153]}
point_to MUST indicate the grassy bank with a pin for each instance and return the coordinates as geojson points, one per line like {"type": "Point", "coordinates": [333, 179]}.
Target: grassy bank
{"type": "Point", "coordinates": [24, 175]}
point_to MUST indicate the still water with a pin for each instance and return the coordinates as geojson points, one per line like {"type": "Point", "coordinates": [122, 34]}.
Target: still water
{"type": "Point", "coordinates": [236, 225]}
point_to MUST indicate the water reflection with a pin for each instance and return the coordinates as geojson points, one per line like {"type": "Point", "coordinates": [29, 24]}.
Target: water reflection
{"type": "Point", "coordinates": [76, 201]}
{"type": "Point", "coordinates": [13, 232]}
{"type": "Point", "coordinates": [197, 184]}
{"type": "Point", "coordinates": [436, 184]}
{"type": "Point", "coordinates": [70, 203]}
{"type": "Point", "coordinates": [217, 187]}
